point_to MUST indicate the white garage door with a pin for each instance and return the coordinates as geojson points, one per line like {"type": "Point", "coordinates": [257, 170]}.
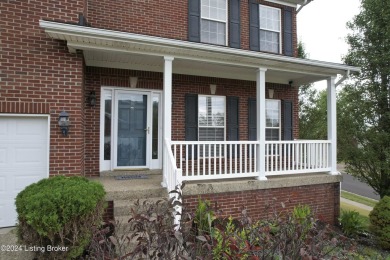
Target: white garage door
{"type": "Point", "coordinates": [23, 159]}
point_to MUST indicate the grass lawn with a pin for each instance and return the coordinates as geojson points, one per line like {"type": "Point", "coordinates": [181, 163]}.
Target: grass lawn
{"type": "Point", "coordinates": [363, 213]}
{"type": "Point", "coordinates": [357, 198]}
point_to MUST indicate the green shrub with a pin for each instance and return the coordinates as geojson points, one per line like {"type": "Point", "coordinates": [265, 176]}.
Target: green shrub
{"type": "Point", "coordinates": [351, 223]}
{"type": "Point", "coordinates": [204, 216]}
{"type": "Point", "coordinates": [380, 222]}
{"type": "Point", "coordinates": [59, 211]}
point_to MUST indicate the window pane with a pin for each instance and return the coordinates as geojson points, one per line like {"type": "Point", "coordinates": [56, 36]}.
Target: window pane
{"type": "Point", "coordinates": [269, 18]}
{"type": "Point", "coordinates": [269, 41]}
{"type": "Point", "coordinates": [155, 128]}
{"type": "Point", "coordinates": [272, 134]}
{"type": "Point", "coordinates": [214, 9]}
{"type": "Point", "coordinates": [272, 113]}
{"type": "Point", "coordinates": [211, 111]}
{"type": "Point", "coordinates": [213, 32]}
{"type": "Point", "coordinates": [211, 134]}
{"type": "Point", "coordinates": [107, 130]}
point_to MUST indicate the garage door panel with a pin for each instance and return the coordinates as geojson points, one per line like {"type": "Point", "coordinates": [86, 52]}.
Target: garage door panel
{"type": "Point", "coordinates": [9, 219]}
{"type": "Point", "coordinates": [29, 156]}
{"type": "Point", "coordinates": [21, 182]}
{"type": "Point", "coordinates": [2, 185]}
{"type": "Point", "coordinates": [3, 156]}
{"type": "Point", "coordinates": [24, 146]}
{"type": "Point", "coordinates": [35, 128]}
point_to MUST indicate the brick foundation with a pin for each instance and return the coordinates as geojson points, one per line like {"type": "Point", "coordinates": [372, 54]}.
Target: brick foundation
{"type": "Point", "coordinates": [324, 199]}
{"type": "Point", "coordinates": [109, 211]}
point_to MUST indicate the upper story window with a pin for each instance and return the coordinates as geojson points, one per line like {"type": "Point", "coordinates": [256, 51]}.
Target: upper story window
{"type": "Point", "coordinates": [214, 21]}
{"type": "Point", "coordinates": [270, 29]}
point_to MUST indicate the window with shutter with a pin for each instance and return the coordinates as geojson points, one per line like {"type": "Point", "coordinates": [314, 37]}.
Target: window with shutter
{"type": "Point", "coordinates": [213, 21]}
{"type": "Point", "coordinates": [270, 29]}
{"type": "Point", "coordinates": [273, 117]}
{"type": "Point", "coordinates": [272, 123]}
{"type": "Point", "coordinates": [211, 119]}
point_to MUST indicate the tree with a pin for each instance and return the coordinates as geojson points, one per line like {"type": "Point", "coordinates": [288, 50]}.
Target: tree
{"type": "Point", "coordinates": [364, 110]}
{"type": "Point", "coordinates": [312, 108]}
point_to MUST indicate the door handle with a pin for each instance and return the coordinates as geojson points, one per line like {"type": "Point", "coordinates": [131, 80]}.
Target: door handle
{"type": "Point", "coordinates": [147, 129]}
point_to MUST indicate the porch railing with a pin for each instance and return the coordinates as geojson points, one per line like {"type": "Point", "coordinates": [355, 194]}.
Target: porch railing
{"type": "Point", "coordinates": [172, 175]}
{"type": "Point", "coordinates": [202, 160]}
{"type": "Point", "coordinates": [298, 156]}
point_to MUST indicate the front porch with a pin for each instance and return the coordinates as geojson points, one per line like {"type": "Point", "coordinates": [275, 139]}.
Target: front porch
{"type": "Point", "coordinates": [242, 79]}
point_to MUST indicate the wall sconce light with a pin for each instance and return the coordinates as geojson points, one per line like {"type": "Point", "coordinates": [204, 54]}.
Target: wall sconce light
{"type": "Point", "coordinates": [213, 89]}
{"type": "Point", "coordinates": [290, 83]}
{"type": "Point", "coordinates": [63, 122]}
{"type": "Point", "coordinates": [133, 82]}
{"type": "Point", "coordinates": [92, 98]}
{"type": "Point", "coordinates": [270, 93]}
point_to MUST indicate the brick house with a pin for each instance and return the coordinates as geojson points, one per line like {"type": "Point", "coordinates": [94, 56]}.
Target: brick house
{"type": "Point", "coordinates": [178, 85]}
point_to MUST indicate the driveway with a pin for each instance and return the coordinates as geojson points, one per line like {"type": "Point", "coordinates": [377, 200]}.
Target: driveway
{"type": "Point", "coordinates": [351, 184]}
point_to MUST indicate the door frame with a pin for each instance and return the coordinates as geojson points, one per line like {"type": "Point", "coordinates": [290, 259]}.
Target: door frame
{"type": "Point", "coordinates": [107, 165]}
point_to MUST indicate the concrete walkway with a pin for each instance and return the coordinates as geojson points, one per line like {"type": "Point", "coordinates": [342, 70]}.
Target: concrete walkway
{"type": "Point", "coordinates": [356, 204]}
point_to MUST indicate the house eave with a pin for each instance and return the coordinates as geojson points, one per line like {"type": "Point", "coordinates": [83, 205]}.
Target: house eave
{"type": "Point", "coordinates": [102, 40]}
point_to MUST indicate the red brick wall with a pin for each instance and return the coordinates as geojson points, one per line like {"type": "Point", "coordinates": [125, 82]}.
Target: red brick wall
{"type": "Point", "coordinates": [39, 76]}
{"type": "Point", "coordinates": [164, 18]}
{"type": "Point", "coordinates": [324, 200]}
{"type": "Point", "coordinates": [182, 84]}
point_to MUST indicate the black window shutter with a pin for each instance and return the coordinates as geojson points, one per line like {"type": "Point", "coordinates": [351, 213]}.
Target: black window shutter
{"type": "Point", "coordinates": [254, 40]}
{"type": "Point", "coordinates": [234, 24]}
{"type": "Point", "coordinates": [288, 120]}
{"type": "Point", "coordinates": [233, 117]}
{"type": "Point", "coordinates": [288, 31]}
{"type": "Point", "coordinates": [194, 20]}
{"type": "Point", "coordinates": [252, 129]}
{"type": "Point", "coordinates": [191, 120]}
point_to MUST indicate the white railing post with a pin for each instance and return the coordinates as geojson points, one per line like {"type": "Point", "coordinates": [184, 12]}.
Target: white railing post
{"type": "Point", "coordinates": [167, 111]}
{"type": "Point", "coordinates": [260, 122]}
{"type": "Point", "coordinates": [332, 125]}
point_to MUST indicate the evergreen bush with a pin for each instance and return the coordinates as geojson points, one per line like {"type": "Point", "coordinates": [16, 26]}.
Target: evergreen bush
{"type": "Point", "coordinates": [380, 222]}
{"type": "Point", "coordinates": [59, 213]}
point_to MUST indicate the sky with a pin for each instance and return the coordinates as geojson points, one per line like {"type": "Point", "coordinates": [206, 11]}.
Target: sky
{"type": "Point", "coordinates": [322, 29]}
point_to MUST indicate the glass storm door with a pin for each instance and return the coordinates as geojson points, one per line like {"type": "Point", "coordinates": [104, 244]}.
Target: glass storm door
{"type": "Point", "coordinates": [130, 129]}
{"type": "Point", "coordinates": [131, 125]}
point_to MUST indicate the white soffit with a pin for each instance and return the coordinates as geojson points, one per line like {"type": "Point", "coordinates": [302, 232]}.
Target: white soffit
{"type": "Point", "coordinates": [292, 3]}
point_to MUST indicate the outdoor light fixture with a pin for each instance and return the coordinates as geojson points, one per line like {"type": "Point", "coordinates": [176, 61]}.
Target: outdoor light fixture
{"type": "Point", "coordinates": [270, 93]}
{"type": "Point", "coordinates": [133, 82]}
{"type": "Point", "coordinates": [63, 122]}
{"type": "Point", "coordinates": [213, 89]}
{"type": "Point", "coordinates": [92, 98]}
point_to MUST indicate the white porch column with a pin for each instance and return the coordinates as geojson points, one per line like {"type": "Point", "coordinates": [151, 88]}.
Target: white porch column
{"type": "Point", "coordinates": [167, 110]}
{"type": "Point", "coordinates": [332, 125]}
{"type": "Point", "coordinates": [260, 118]}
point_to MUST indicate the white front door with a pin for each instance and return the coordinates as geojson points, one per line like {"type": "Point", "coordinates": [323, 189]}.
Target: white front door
{"type": "Point", "coordinates": [24, 159]}
{"type": "Point", "coordinates": [130, 129]}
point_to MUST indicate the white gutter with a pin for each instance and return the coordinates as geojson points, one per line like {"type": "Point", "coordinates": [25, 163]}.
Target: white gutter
{"type": "Point", "coordinates": [89, 32]}
{"type": "Point", "coordinates": [345, 76]}
{"type": "Point", "coordinates": [303, 5]}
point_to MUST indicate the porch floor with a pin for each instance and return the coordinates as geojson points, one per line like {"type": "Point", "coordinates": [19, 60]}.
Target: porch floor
{"type": "Point", "coordinates": [130, 189]}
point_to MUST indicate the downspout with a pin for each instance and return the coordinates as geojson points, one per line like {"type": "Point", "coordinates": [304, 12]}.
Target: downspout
{"type": "Point", "coordinates": [306, 2]}
{"type": "Point", "coordinates": [345, 76]}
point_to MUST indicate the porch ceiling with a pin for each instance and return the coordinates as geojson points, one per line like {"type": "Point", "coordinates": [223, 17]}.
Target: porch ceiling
{"type": "Point", "coordinates": [105, 48]}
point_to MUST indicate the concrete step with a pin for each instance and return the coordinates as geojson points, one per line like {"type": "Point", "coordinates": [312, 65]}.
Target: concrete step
{"type": "Point", "coordinates": [123, 207]}
{"type": "Point", "coordinates": [128, 172]}
{"type": "Point", "coordinates": [153, 192]}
